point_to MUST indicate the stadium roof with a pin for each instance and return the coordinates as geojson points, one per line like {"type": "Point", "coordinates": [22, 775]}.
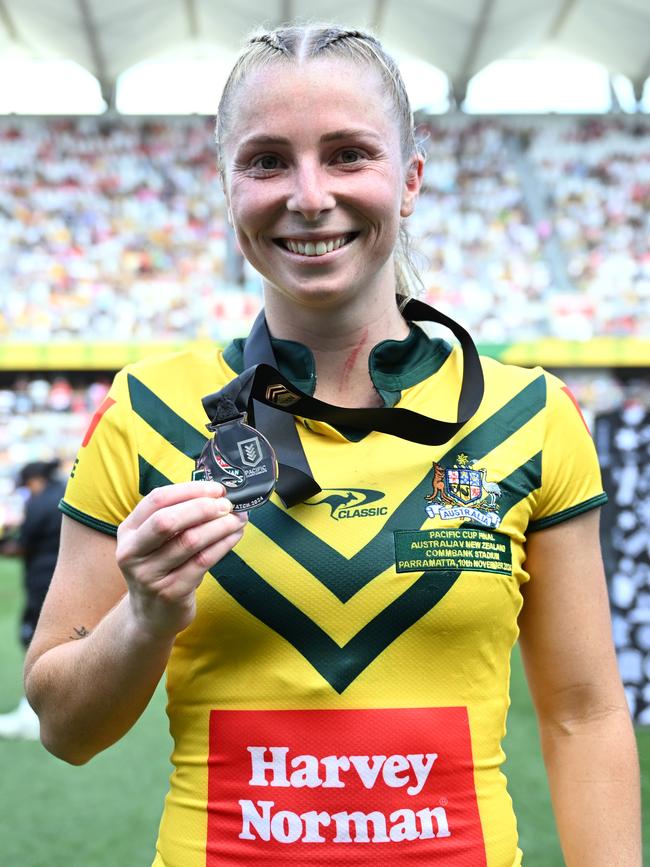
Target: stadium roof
{"type": "Point", "coordinates": [459, 36]}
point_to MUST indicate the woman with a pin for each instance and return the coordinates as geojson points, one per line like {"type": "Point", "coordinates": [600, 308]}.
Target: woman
{"type": "Point", "coordinates": [338, 669]}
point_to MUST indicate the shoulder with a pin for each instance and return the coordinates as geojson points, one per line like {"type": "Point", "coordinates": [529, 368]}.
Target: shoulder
{"type": "Point", "coordinates": [173, 363]}
{"type": "Point", "coordinates": [518, 393]}
{"type": "Point", "coordinates": [497, 372]}
{"type": "Point", "coordinates": [194, 370]}
{"type": "Point", "coordinates": [534, 383]}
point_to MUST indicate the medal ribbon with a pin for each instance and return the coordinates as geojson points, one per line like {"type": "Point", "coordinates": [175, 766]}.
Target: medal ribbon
{"type": "Point", "coordinates": [270, 402]}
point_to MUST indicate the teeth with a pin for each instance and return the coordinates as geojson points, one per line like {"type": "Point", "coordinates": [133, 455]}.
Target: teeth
{"type": "Point", "coordinates": [309, 248]}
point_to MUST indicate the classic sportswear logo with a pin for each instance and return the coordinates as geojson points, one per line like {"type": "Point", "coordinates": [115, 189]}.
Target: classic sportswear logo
{"type": "Point", "coordinates": [349, 502]}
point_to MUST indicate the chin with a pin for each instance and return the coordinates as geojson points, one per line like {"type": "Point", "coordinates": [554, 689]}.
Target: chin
{"type": "Point", "coordinates": [318, 297]}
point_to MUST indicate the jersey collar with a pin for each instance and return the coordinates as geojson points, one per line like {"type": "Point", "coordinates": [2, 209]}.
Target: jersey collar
{"type": "Point", "coordinates": [394, 365]}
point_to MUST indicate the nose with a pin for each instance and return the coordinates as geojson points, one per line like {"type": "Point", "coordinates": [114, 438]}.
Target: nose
{"type": "Point", "coordinates": [310, 194]}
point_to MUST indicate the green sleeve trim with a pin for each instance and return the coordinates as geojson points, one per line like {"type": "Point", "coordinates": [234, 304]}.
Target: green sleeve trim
{"type": "Point", "coordinates": [558, 517]}
{"type": "Point", "coordinates": [88, 520]}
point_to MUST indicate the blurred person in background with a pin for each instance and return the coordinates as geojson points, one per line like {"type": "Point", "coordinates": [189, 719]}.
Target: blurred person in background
{"type": "Point", "coordinates": [37, 543]}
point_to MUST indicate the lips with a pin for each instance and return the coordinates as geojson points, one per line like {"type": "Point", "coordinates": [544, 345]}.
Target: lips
{"type": "Point", "coordinates": [315, 246]}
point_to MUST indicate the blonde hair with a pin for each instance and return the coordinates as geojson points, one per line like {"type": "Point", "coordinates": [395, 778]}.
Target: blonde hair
{"type": "Point", "coordinates": [299, 43]}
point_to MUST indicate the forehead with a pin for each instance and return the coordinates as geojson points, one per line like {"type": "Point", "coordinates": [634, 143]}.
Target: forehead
{"type": "Point", "coordinates": [287, 98]}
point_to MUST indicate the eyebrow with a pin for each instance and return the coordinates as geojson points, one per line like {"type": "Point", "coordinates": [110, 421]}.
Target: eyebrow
{"type": "Point", "coordinates": [350, 133]}
{"type": "Point", "coordinates": [269, 140]}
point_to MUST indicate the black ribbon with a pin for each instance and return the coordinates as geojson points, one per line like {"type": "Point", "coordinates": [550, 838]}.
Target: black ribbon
{"type": "Point", "coordinates": [270, 401]}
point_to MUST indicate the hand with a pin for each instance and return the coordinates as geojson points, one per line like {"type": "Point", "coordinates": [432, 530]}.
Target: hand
{"type": "Point", "coordinates": [165, 546]}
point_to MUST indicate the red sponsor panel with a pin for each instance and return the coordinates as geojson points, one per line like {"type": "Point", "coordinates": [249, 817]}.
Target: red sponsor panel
{"type": "Point", "coordinates": [356, 787]}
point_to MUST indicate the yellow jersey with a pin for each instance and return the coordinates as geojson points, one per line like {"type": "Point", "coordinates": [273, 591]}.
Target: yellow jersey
{"type": "Point", "coordinates": [342, 693]}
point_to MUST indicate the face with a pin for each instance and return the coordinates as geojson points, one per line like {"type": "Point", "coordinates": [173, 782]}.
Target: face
{"type": "Point", "coordinates": [35, 485]}
{"type": "Point", "coordinates": [315, 179]}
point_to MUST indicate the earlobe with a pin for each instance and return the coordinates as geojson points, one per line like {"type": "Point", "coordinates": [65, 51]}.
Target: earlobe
{"type": "Point", "coordinates": [412, 184]}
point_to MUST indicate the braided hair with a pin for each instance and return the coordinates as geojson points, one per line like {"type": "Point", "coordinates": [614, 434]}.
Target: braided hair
{"type": "Point", "coordinates": [299, 43]}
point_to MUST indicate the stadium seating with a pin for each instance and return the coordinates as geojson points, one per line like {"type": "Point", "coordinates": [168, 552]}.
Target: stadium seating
{"type": "Point", "coordinates": [115, 229]}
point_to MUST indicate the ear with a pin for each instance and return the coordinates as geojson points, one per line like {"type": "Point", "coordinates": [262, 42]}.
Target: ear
{"type": "Point", "coordinates": [412, 184]}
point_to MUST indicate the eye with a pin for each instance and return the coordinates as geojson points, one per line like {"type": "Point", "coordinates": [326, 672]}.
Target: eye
{"type": "Point", "coordinates": [266, 162]}
{"type": "Point", "coordinates": [349, 156]}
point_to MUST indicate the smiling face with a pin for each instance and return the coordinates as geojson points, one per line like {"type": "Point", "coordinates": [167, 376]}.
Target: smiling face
{"type": "Point", "coordinates": [316, 181]}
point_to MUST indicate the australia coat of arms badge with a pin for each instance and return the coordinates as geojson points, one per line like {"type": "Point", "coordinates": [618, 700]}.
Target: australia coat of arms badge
{"type": "Point", "coordinates": [463, 491]}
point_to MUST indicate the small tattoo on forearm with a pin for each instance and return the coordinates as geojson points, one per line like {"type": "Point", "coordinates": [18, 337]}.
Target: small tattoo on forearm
{"type": "Point", "coordinates": [80, 632]}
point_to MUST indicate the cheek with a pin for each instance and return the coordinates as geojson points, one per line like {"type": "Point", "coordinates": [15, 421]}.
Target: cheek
{"type": "Point", "coordinates": [244, 210]}
{"type": "Point", "coordinates": [383, 205]}
{"type": "Point", "coordinates": [382, 194]}
{"type": "Point", "coordinates": [254, 208]}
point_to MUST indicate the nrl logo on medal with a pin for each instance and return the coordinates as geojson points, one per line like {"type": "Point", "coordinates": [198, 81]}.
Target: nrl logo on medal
{"type": "Point", "coordinates": [250, 451]}
{"type": "Point", "coordinates": [463, 491]}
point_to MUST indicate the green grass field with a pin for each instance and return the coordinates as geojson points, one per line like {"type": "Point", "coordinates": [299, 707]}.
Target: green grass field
{"type": "Point", "coordinates": [106, 813]}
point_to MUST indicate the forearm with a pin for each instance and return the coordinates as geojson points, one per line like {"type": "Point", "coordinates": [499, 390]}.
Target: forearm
{"type": "Point", "coordinates": [88, 692]}
{"type": "Point", "coordinates": [593, 775]}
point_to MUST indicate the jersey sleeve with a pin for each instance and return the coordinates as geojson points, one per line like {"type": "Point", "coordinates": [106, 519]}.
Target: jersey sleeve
{"type": "Point", "coordinates": [103, 485]}
{"type": "Point", "coordinates": [571, 480]}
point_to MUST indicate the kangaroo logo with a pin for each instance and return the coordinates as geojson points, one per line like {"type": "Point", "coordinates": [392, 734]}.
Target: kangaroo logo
{"type": "Point", "coordinates": [349, 502]}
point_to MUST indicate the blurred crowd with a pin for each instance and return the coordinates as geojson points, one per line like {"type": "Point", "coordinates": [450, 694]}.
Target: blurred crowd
{"type": "Point", "coordinates": [115, 229]}
{"type": "Point", "coordinates": [41, 419]}
{"type": "Point", "coordinates": [477, 248]}
{"type": "Point", "coordinates": [597, 178]}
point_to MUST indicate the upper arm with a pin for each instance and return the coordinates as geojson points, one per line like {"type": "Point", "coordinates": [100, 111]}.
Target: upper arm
{"type": "Point", "coordinates": [566, 638]}
{"type": "Point", "coordinates": [29, 527]}
{"type": "Point", "coordinates": [86, 584]}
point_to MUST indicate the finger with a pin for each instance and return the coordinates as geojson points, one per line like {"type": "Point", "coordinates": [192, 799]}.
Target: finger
{"type": "Point", "coordinates": [169, 522]}
{"type": "Point", "coordinates": [150, 569]}
{"type": "Point", "coordinates": [184, 580]}
{"type": "Point", "coordinates": [170, 495]}
{"type": "Point", "coordinates": [188, 544]}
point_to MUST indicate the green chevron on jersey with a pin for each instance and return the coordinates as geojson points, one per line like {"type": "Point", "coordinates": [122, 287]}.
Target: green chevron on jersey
{"type": "Point", "coordinates": [338, 665]}
{"type": "Point", "coordinates": [341, 665]}
{"type": "Point", "coordinates": [162, 418]}
{"type": "Point", "coordinates": [344, 576]}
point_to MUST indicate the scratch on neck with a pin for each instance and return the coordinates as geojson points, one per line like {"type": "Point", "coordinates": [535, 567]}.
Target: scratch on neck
{"type": "Point", "coordinates": [351, 360]}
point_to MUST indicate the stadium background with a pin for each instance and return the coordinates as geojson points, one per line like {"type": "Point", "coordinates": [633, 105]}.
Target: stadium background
{"type": "Point", "coordinates": [532, 229]}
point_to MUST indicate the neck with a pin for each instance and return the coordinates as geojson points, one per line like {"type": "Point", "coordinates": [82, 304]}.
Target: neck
{"type": "Point", "coordinates": [341, 340]}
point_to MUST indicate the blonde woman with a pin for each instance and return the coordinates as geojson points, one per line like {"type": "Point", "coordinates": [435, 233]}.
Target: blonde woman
{"type": "Point", "coordinates": [338, 661]}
